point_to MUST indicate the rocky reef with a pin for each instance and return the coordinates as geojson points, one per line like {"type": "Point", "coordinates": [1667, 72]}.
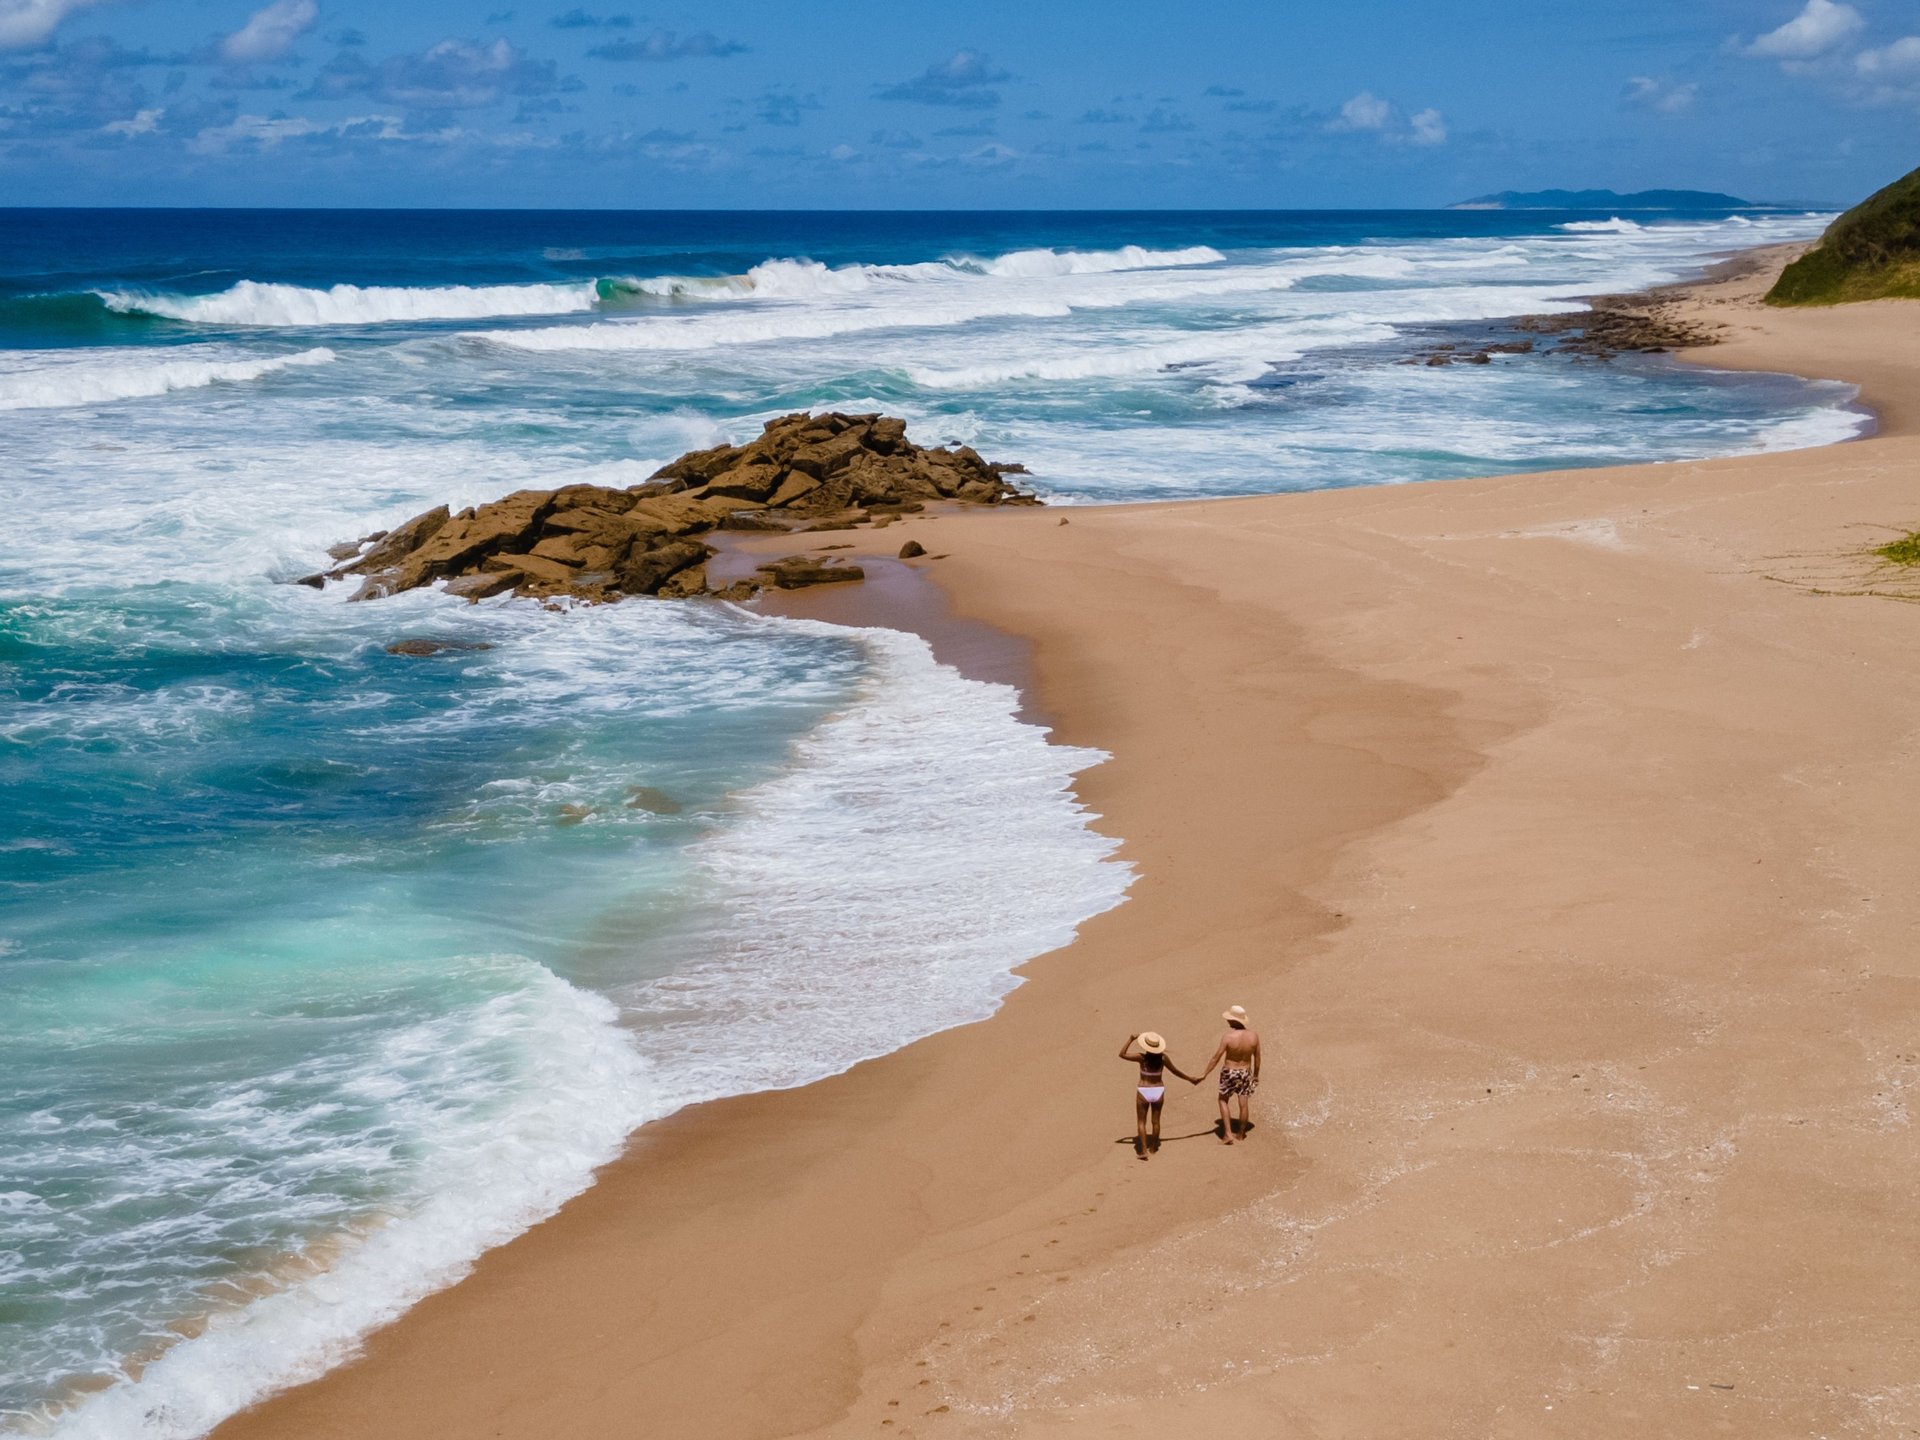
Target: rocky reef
{"type": "Point", "coordinates": [596, 543]}
{"type": "Point", "coordinates": [1646, 324]}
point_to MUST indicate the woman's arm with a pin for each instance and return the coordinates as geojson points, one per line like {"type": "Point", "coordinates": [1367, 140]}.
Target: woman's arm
{"type": "Point", "coordinates": [1126, 1049]}
{"type": "Point", "coordinates": [1190, 1079]}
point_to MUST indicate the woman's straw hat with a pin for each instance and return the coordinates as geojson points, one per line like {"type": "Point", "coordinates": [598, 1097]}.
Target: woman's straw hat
{"type": "Point", "coordinates": [1236, 1015]}
{"type": "Point", "coordinates": [1153, 1044]}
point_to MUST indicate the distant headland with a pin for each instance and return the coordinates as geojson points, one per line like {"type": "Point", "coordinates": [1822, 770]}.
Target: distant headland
{"type": "Point", "coordinates": [1606, 200]}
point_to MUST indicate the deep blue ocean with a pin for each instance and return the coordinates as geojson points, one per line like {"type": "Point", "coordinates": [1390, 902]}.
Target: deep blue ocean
{"type": "Point", "coordinates": [323, 969]}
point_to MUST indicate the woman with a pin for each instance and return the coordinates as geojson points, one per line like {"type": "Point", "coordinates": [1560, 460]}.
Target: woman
{"type": "Point", "coordinates": [1152, 1089]}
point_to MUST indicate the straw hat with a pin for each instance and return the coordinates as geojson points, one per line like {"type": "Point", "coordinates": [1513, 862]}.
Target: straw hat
{"type": "Point", "coordinates": [1236, 1015]}
{"type": "Point", "coordinates": [1153, 1044]}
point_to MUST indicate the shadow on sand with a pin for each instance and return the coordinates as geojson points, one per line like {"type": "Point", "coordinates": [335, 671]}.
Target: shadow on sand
{"type": "Point", "coordinates": [1212, 1132]}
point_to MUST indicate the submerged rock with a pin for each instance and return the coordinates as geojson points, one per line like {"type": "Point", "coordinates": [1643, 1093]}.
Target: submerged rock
{"type": "Point", "coordinates": [646, 797]}
{"type": "Point", "coordinates": [805, 473]}
{"type": "Point", "coordinates": [420, 645]}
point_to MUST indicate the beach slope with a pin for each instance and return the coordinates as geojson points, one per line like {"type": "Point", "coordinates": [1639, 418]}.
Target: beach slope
{"type": "Point", "coordinates": [1558, 832]}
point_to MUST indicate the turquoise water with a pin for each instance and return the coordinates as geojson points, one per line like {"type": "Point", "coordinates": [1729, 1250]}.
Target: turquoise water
{"type": "Point", "coordinates": [322, 969]}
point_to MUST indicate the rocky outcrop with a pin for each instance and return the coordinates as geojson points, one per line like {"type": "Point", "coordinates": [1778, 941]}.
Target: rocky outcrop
{"type": "Point", "coordinates": [1620, 325]}
{"type": "Point", "coordinates": [804, 473]}
{"type": "Point", "coordinates": [1470, 355]}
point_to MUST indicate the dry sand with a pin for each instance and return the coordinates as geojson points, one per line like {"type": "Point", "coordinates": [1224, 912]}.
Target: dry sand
{"type": "Point", "coordinates": [1559, 832]}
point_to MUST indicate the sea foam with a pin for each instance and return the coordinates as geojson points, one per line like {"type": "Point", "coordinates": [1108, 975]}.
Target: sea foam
{"type": "Point", "coordinates": [923, 843]}
{"type": "Point", "coordinates": [50, 380]}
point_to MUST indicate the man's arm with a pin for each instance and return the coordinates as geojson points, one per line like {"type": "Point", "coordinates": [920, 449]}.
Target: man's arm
{"type": "Point", "coordinates": [1256, 1054]}
{"type": "Point", "coordinates": [1219, 1050]}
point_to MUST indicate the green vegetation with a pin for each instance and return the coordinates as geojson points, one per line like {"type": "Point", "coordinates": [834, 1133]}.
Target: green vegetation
{"type": "Point", "coordinates": [1869, 253]}
{"type": "Point", "coordinates": [1904, 551]}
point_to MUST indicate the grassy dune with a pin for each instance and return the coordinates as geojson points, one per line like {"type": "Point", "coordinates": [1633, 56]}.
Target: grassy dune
{"type": "Point", "coordinates": [1869, 253]}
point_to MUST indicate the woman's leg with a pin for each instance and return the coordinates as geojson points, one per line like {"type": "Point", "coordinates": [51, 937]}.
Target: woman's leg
{"type": "Point", "coordinates": [1154, 1112]}
{"type": "Point", "coordinates": [1140, 1124]}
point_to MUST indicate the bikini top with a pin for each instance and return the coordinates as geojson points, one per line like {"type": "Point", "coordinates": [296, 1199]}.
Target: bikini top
{"type": "Point", "coordinates": [1151, 1067]}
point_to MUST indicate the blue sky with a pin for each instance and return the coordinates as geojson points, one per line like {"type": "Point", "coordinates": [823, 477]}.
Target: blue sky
{"type": "Point", "coordinates": [867, 104]}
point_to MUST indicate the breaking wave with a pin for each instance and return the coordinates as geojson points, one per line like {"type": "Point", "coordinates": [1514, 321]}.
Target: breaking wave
{"type": "Point", "coordinates": [51, 384]}
{"type": "Point", "coordinates": [260, 304]}
{"type": "Point", "coordinates": [253, 303]}
{"type": "Point", "coordinates": [1615, 226]}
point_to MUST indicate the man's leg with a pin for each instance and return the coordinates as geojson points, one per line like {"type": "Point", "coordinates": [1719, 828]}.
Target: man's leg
{"type": "Point", "coordinates": [1226, 1121]}
{"type": "Point", "coordinates": [1246, 1125]}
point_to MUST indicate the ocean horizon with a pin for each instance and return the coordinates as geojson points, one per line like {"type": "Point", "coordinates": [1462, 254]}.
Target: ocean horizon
{"type": "Point", "coordinates": [324, 969]}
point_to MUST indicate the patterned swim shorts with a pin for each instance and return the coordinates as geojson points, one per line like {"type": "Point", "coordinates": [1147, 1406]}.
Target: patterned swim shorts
{"type": "Point", "coordinates": [1236, 1082]}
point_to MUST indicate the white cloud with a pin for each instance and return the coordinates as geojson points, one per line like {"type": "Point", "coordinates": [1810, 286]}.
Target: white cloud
{"type": "Point", "coordinates": [270, 32]}
{"type": "Point", "coordinates": [1653, 92]}
{"type": "Point", "coordinates": [144, 122]}
{"type": "Point", "coordinates": [1897, 61]}
{"type": "Point", "coordinates": [266, 132]}
{"type": "Point", "coordinates": [1365, 111]}
{"type": "Point", "coordinates": [27, 23]}
{"type": "Point", "coordinates": [1820, 26]}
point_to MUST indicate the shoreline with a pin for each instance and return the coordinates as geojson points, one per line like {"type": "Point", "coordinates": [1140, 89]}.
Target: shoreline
{"type": "Point", "coordinates": [751, 1263]}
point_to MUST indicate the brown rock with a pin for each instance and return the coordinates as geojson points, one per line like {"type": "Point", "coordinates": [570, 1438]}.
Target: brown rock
{"type": "Point", "coordinates": [795, 487]}
{"type": "Point", "coordinates": [478, 586]}
{"type": "Point", "coordinates": [684, 584]}
{"type": "Point", "coordinates": [591, 543]}
{"type": "Point", "coordinates": [756, 480]}
{"type": "Point", "coordinates": [913, 549]}
{"type": "Point", "coordinates": [419, 645]}
{"type": "Point", "coordinates": [645, 797]}
{"type": "Point", "coordinates": [770, 520]}
{"type": "Point", "coordinates": [644, 570]}
{"type": "Point", "coordinates": [567, 549]}
{"type": "Point", "coordinates": [826, 457]}
{"type": "Point", "coordinates": [395, 545]}
{"type": "Point", "coordinates": [585, 518]}
{"type": "Point", "coordinates": [699, 465]}
{"type": "Point", "coordinates": [533, 567]}
{"type": "Point", "coordinates": [797, 571]}
{"type": "Point", "coordinates": [503, 525]}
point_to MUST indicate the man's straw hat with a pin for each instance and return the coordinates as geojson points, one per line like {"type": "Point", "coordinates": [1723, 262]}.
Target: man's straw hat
{"type": "Point", "coordinates": [1236, 1015]}
{"type": "Point", "coordinates": [1153, 1044]}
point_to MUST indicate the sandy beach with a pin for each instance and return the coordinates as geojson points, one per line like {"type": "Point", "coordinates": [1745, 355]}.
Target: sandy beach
{"type": "Point", "coordinates": [1555, 829]}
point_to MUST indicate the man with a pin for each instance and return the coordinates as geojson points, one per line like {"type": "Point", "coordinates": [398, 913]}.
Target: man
{"type": "Point", "coordinates": [1239, 1059]}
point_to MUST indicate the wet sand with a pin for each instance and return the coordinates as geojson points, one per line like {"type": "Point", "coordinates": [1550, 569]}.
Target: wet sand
{"type": "Point", "coordinates": [1558, 832]}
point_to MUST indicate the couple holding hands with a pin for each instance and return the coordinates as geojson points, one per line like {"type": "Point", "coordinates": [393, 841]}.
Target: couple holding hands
{"type": "Point", "coordinates": [1237, 1055]}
